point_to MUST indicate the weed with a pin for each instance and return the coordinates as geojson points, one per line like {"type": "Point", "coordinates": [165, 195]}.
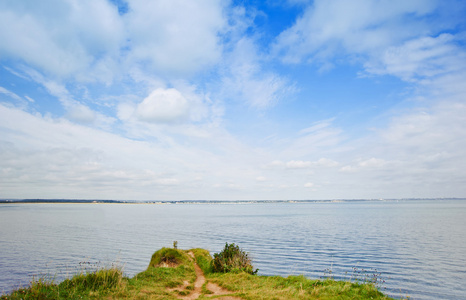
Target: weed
{"type": "Point", "coordinates": [371, 276]}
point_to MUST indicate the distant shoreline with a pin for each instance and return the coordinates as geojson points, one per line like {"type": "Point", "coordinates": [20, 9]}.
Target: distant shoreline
{"type": "Point", "coordinates": [83, 201]}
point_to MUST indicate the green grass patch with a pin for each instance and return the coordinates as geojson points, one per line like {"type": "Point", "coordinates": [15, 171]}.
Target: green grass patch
{"type": "Point", "coordinates": [293, 287]}
{"type": "Point", "coordinates": [203, 259]}
{"type": "Point", "coordinates": [169, 257]}
{"type": "Point", "coordinates": [85, 285]}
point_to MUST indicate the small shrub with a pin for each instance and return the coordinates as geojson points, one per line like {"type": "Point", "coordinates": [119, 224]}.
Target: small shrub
{"type": "Point", "coordinates": [232, 259]}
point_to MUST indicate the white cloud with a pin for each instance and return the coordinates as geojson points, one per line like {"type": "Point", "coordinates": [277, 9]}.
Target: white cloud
{"type": "Point", "coordinates": [88, 40]}
{"type": "Point", "coordinates": [162, 106]}
{"type": "Point", "coordinates": [309, 185]}
{"type": "Point", "coordinates": [347, 169]}
{"type": "Point", "coordinates": [438, 129]}
{"type": "Point", "coordinates": [9, 93]}
{"type": "Point", "coordinates": [322, 135]}
{"type": "Point", "coordinates": [91, 163]}
{"type": "Point", "coordinates": [421, 152]}
{"type": "Point", "coordinates": [29, 99]}
{"type": "Point", "coordinates": [298, 164]}
{"type": "Point", "coordinates": [75, 110]}
{"type": "Point", "coordinates": [325, 162]}
{"type": "Point", "coordinates": [60, 37]}
{"type": "Point", "coordinates": [371, 163]}
{"type": "Point", "coordinates": [329, 26]}
{"type": "Point", "coordinates": [175, 36]}
{"type": "Point", "coordinates": [174, 140]}
{"type": "Point", "coordinates": [248, 81]}
{"type": "Point", "coordinates": [276, 163]}
{"type": "Point", "coordinates": [261, 179]}
{"type": "Point", "coordinates": [425, 57]}
{"type": "Point", "coordinates": [75, 160]}
{"type": "Point", "coordinates": [168, 181]}
{"type": "Point", "coordinates": [18, 101]}
{"type": "Point", "coordinates": [81, 114]}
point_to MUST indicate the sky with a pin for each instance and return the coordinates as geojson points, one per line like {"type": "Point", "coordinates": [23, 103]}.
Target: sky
{"type": "Point", "coordinates": [232, 100]}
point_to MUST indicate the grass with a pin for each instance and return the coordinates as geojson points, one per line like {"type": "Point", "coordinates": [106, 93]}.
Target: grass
{"type": "Point", "coordinates": [203, 259]}
{"type": "Point", "coordinates": [169, 257]}
{"type": "Point", "coordinates": [294, 287]}
{"type": "Point", "coordinates": [171, 275]}
{"type": "Point", "coordinates": [96, 284]}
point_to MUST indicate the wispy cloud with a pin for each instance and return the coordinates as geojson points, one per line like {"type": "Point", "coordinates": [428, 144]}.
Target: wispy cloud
{"type": "Point", "coordinates": [9, 94]}
{"type": "Point", "coordinates": [247, 78]}
{"type": "Point", "coordinates": [329, 28]}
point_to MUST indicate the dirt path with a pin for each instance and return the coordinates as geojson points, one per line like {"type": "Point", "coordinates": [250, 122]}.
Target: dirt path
{"type": "Point", "coordinates": [215, 289]}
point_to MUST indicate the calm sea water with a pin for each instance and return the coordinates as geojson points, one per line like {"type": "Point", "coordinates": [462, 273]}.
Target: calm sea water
{"type": "Point", "coordinates": [418, 247]}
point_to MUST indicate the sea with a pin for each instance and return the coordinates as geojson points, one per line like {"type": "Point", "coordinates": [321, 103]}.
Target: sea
{"type": "Point", "coordinates": [410, 248]}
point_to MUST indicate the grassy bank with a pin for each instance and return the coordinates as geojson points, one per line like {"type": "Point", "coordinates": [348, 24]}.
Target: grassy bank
{"type": "Point", "coordinates": [177, 274]}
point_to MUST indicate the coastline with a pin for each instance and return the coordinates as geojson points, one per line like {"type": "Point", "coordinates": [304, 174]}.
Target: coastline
{"type": "Point", "coordinates": [189, 274]}
{"type": "Point", "coordinates": [161, 202]}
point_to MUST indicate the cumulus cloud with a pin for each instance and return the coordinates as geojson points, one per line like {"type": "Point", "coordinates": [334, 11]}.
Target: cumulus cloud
{"type": "Point", "coordinates": [85, 162]}
{"type": "Point", "coordinates": [59, 37]}
{"type": "Point", "coordinates": [261, 179]}
{"type": "Point", "coordinates": [301, 164]}
{"type": "Point", "coordinates": [81, 114]}
{"type": "Point", "coordinates": [362, 164]}
{"type": "Point", "coordinates": [91, 41]}
{"type": "Point", "coordinates": [175, 36]}
{"type": "Point", "coordinates": [309, 185]}
{"type": "Point", "coordinates": [163, 106]}
{"type": "Point", "coordinates": [81, 172]}
{"type": "Point", "coordinates": [298, 164]}
{"type": "Point", "coordinates": [125, 111]}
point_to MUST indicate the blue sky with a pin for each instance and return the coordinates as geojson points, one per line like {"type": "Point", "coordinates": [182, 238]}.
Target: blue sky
{"type": "Point", "coordinates": [232, 100]}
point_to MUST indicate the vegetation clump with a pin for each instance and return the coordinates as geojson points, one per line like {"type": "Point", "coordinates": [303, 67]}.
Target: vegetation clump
{"type": "Point", "coordinates": [168, 257]}
{"type": "Point", "coordinates": [232, 259]}
{"type": "Point", "coordinates": [94, 284]}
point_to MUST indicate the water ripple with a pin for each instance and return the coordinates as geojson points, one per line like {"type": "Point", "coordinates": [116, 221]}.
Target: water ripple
{"type": "Point", "coordinates": [417, 256]}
